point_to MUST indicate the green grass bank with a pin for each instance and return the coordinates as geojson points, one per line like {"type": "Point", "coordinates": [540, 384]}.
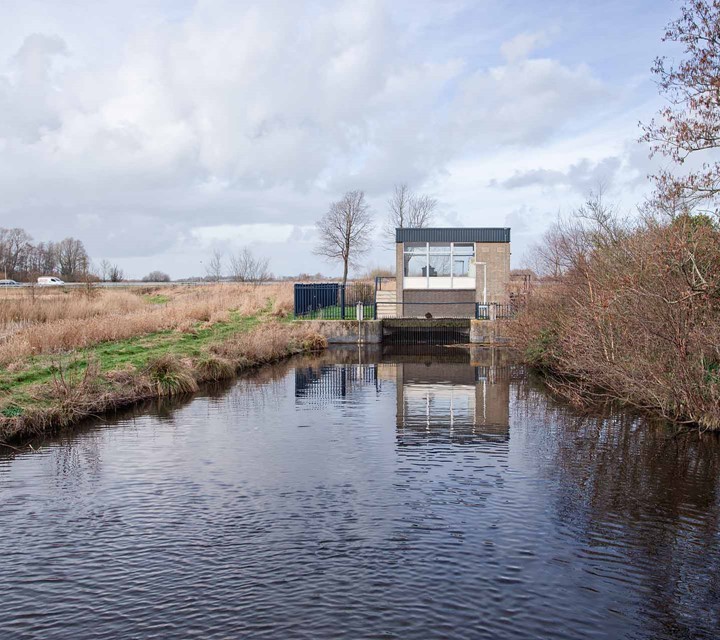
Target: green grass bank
{"type": "Point", "coordinates": [47, 393]}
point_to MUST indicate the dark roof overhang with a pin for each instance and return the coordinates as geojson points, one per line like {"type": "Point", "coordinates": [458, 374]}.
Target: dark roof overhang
{"type": "Point", "coordinates": [449, 234]}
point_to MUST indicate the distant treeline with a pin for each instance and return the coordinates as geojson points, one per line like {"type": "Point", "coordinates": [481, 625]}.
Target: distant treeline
{"type": "Point", "coordinates": [24, 260]}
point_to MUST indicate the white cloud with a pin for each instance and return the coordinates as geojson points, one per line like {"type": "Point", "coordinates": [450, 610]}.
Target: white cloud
{"type": "Point", "coordinates": [582, 176]}
{"type": "Point", "coordinates": [245, 234]}
{"type": "Point", "coordinates": [520, 47]}
{"type": "Point", "coordinates": [221, 121]}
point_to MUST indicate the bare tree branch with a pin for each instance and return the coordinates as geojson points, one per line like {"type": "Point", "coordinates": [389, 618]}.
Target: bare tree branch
{"type": "Point", "coordinates": [406, 210]}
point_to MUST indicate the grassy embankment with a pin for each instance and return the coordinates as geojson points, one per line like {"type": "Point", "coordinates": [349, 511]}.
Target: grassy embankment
{"type": "Point", "coordinates": [65, 355]}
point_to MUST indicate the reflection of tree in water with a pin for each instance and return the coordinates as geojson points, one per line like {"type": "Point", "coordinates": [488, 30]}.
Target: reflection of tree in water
{"type": "Point", "coordinates": [638, 489]}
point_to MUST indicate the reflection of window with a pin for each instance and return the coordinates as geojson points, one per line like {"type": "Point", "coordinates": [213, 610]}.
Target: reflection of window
{"type": "Point", "coordinates": [440, 265]}
{"type": "Point", "coordinates": [461, 266]}
{"type": "Point", "coordinates": [416, 247]}
{"type": "Point", "coordinates": [415, 265]}
{"type": "Point", "coordinates": [462, 260]}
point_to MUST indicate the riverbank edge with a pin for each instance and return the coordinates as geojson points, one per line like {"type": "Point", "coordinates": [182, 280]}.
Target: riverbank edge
{"type": "Point", "coordinates": [578, 391]}
{"type": "Point", "coordinates": [70, 399]}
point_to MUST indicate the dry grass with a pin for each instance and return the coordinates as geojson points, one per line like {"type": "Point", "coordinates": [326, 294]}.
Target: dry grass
{"type": "Point", "coordinates": [36, 322]}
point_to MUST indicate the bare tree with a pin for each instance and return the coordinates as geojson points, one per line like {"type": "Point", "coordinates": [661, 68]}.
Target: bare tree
{"type": "Point", "coordinates": [398, 211]}
{"type": "Point", "coordinates": [20, 258]}
{"type": "Point", "coordinates": [214, 268]}
{"type": "Point", "coordinates": [105, 267]}
{"type": "Point", "coordinates": [422, 210]}
{"type": "Point", "coordinates": [72, 258]}
{"type": "Point", "coordinates": [115, 273]}
{"type": "Point", "coordinates": [406, 210]}
{"type": "Point", "coordinates": [345, 231]}
{"type": "Point", "coordinates": [245, 267]}
{"type": "Point", "coordinates": [46, 258]}
{"type": "Point", "coordinates": [156, 276]}
{"type": "Point", "coordinates": [15, 248]}
{"type": "Point", "coordinates": [689, 125]}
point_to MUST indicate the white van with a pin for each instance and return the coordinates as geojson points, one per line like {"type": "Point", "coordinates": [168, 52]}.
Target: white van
{"type": "Point", "coordinates": [50, 281]}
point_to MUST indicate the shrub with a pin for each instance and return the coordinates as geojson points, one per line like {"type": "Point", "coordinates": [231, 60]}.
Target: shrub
{"type": "Point", "coordinates": [171, 376]}
{"type": "Point", "coordinates": [213, 367]}
{"type": "Point", "coordinates": [634, 315]}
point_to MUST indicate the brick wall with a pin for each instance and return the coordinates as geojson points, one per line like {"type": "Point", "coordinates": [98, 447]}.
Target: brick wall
{"type": "Point", "coordinates": [399, 270]}
{"type": "Point", "coordinates": [496, 257]}
{"type": "Point", "coordinates": [458, 303]}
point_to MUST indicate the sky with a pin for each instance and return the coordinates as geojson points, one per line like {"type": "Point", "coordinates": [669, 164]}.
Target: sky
{"type": "Point", "coordinates": [160, 131]}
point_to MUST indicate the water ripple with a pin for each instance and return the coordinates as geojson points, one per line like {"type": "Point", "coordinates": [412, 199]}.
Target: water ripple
{"type": "Point", "coordinates": [407, 506]}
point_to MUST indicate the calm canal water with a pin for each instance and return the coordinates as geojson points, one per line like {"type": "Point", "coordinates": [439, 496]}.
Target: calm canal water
{"type": "Point", "coordinates": [364, 495]}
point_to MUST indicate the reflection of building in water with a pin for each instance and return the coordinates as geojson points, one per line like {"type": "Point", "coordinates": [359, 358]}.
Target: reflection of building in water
{"type": "Point", "coordinates": [448, 394]}
{"type": "Point", "coordinates": [492, 397]}
{"type": "Point", "coordinates": [334, 381]}
{"type": "Point", "coordinates": [452, 400]}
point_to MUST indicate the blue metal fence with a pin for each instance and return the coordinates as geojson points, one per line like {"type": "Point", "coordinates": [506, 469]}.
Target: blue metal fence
{"type": "Point", "coordinates": [334, 301]}
{"type": "Point", "coordinates": [310, 298]}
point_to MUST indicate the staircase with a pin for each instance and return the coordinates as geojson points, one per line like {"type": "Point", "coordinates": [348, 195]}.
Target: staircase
{"type": "Point", "coordinates": [386, 298]}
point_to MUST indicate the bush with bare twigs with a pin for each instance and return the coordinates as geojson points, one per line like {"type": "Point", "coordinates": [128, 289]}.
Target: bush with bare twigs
{"type": "Point", "coordinates": [634, 315]}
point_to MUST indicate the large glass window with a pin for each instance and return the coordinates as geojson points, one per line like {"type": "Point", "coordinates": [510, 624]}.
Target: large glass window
{"type": "Point", "coordinates": [415, 259]}
{"type": "Point", "coordinates": [416, 247]}
{"type": "Point", "coordinates": [439, 259]}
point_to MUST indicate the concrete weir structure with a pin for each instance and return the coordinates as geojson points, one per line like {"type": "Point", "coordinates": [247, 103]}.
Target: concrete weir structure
{"type": "Point", "coordinates": [415, 330]}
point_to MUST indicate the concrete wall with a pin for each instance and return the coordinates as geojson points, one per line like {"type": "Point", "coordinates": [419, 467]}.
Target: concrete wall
{"type": "Point", "coordinates": [348, 331]}
{"type": "Point", "coordinates": [490, 332]}
{"type": "Point", "coordinates": [486, 332]}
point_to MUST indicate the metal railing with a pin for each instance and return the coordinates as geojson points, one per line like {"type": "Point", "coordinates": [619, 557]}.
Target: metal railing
{"type": "Point", "coordinates": [360, 301]}
{"type": "Point", "coordinates": [445, 309]}
{"type": "Point", "coordinates": [494, 311]}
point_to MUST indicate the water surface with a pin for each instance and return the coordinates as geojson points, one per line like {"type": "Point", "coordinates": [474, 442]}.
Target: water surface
{"type": "Point", "coordinates": [364, 495]}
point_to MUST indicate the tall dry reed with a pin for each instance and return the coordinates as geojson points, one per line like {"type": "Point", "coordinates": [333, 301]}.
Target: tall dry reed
{"type": "Point", "coordinates": [51, 323]}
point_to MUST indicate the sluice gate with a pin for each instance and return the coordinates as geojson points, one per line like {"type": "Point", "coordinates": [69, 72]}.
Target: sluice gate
{"type": "Point", "coordinates": [420, 331]}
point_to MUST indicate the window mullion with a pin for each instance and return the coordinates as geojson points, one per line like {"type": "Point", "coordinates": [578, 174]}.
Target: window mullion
{"type": "Point", "coordinates": [452, 264]}
{"type": "Point", "coordinates": [427, 265]}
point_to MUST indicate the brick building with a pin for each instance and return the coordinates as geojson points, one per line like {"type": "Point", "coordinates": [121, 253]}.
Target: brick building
{"type": "Point", "coordinates": [446, 272]}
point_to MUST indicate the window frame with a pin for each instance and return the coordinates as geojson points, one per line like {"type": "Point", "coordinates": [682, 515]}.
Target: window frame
{"type": "Point", "coordinates": [427, 253]}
